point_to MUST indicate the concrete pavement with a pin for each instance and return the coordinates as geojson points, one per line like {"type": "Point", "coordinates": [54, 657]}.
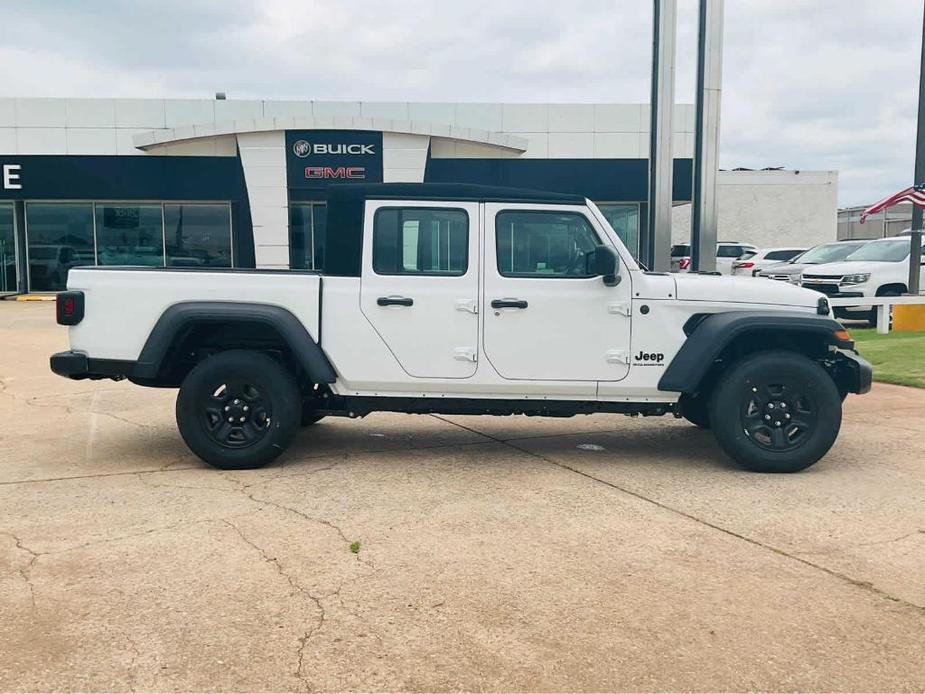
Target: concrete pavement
{"type": "Point", "coordinates": [494, 553]}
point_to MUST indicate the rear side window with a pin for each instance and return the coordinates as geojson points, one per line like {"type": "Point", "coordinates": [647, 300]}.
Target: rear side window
{"type": "Point", "coordinates": [420, 241]}
{"type": "Point", "coordinates": [729, 251]}
{"type": "Point", "coordinates": [544, 244]}
{"type": "Point", "coordinates": [782, 255]}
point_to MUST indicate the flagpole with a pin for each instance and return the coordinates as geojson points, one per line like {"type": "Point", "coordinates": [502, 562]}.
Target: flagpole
{"type": "Point", "coordinates": [915, 257]}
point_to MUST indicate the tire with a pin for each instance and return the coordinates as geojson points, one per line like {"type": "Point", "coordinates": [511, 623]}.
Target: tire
{"type": "Point", "coordinates": [249, 387]}
{"type": "Point", "coordinates": [756, 390]}
{"type": "Point", "coordinates": [695, 410]}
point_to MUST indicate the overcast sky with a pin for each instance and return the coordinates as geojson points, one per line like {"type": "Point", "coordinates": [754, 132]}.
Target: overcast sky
{"type": "Point", "coordinates": [808, 84]}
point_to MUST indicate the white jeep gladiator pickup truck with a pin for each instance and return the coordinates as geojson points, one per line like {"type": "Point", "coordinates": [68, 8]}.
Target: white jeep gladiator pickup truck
{"type": "Point", "coordinates": [461, 299]}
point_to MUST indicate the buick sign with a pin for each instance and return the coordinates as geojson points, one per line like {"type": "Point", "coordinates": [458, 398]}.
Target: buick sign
{"type": "Point", "coordinates": [303, 148]}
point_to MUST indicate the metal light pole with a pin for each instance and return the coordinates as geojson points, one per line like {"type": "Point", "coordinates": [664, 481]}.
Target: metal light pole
{"type": "Point", "coordinates": [657, 247]}
{"type": "Point", "coordinates": [915, 257]}
{"type": "Point", "coordinates": [706, 142]}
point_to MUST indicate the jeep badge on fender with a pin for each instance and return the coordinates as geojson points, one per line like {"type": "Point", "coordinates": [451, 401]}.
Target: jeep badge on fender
{"type": "Point", "coordinates": [500, 317]}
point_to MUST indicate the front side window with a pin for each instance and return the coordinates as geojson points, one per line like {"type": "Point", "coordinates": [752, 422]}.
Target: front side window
{"type": "Point", "coordinates": [129, 235]}
{"type": "Point", "coordinates": [544, 244]}
{"type": "Point", "coordinates": [420, 241]}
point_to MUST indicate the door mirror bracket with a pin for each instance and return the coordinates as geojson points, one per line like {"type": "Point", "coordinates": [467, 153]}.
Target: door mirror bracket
{"type": "Point", "coordinates": [607, 265]}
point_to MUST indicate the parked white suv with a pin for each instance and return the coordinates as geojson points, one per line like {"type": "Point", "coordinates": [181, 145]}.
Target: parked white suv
{"type": "Point", "coordinates": [751, 265]}
{"type": "Point", "coordinates": [879, 268]}
{"type": "Point", "coordinates": [727, 252]}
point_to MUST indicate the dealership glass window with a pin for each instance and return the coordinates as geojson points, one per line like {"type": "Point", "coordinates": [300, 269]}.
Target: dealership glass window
{"type": "Point", "coordinates": [624, 218]}
{"type": "Point", "coordinates": [307, 229]}
{"type": "Point", "coordinates": [129, 234]}
{"type": "Point", "coordinates": [544, 244]}
{"type": "Point", "coordinates": [8, 270]}
{"type": "Point", "coordinates": [197, 235]}
{"type": "Point", "coordinates": [420, 241]}
{"type": "Point", "coordinates": [60, 237]}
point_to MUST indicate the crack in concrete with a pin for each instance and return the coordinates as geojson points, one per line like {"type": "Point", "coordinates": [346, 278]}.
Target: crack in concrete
{"type": "Point", "coordinates": [25, 573]}
{"type": "Point", "coordinates": [132, 666]}
{"type": "Point", "coordinates": [872, 543]}
{"type": "Point", "coordinates": [865, 585]}
{"type": "Point", "coordinates": [294, 587]}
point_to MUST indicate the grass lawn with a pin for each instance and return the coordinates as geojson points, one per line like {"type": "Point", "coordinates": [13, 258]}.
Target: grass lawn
{"type": "Point", "coordinates": [897, 358]}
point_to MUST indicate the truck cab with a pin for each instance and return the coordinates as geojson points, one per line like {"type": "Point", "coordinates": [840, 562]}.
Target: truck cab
{"type": "Point", "coordinates": [443, 298]}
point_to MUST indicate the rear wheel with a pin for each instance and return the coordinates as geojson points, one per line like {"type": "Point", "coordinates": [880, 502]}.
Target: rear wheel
{"type": "Point", "coordinates": [776, 412]}
{"type": "Point", "coordinates": [238, 410]}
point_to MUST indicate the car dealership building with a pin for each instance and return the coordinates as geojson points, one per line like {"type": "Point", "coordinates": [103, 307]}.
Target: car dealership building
{"type": "Point", "coordinates": [226, 183]}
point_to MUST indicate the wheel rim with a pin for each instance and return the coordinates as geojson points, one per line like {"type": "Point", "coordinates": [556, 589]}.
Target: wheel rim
{"type": "Point", "coordinates": [778, 414]}
{"type": "Point", "coordinates": [236, 414]}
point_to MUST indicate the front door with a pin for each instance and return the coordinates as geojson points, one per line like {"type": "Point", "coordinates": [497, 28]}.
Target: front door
{"type": "Point", "coordinates": [419, 288]}
{"type": "Point", "coordinates": [546, 316]}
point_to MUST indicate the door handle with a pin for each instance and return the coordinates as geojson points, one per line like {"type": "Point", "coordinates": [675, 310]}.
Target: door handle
{"type": "Point", "coordinates": [508, 303]}
{"type": "Point", "coordinates": [394, 301]}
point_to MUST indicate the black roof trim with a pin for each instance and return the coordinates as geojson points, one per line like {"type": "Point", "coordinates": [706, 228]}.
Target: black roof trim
{"type": "Point", "coordinates": [447, 191]}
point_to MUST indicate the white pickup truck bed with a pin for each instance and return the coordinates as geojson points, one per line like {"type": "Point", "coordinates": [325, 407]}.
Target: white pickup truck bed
{"type": "Point", "coordinates": [139, 296]}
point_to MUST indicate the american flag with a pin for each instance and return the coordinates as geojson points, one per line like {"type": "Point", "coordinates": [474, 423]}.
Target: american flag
{"type": "Point", "coordinates": [914, 194]}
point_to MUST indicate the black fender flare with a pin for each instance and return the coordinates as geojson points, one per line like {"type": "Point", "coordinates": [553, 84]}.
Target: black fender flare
{"type": "Point", "coordinates": [178, 316]}
{"type": "Point", "coordinates": [709, 335]}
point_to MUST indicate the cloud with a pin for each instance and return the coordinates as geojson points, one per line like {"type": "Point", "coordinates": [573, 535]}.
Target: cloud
{"type": "Point", "coordinates": [809, 84]}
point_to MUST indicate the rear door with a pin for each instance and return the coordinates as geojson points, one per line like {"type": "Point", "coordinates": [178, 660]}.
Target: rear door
{"type": "Point", "coordinates": [419, 286]}
{"type": "Point", "coordinates": [546, 317]}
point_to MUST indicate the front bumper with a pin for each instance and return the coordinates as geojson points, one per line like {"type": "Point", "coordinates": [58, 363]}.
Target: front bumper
{"type": "Point", "coordinates": [852, 372]}
{"type": "Point", "coordinates": [78, 366]}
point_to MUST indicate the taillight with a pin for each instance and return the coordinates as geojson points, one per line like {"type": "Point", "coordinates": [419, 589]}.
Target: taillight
{"type": "Point", "coordinates": [70, 307]}
{"type": "Point", "coordinates": [685, 263]}
{"type": "Point", "coordinates": [744, 266]}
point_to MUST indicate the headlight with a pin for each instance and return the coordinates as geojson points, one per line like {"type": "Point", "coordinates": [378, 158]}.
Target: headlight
{"type": "Point", "coordinates": [859, 278]}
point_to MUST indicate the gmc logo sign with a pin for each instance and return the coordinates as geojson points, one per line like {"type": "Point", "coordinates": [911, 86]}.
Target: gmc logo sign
{"type": "Point", "coordinates": [353, 172]}
{"type": "Point", "coordinates": [304, 148]}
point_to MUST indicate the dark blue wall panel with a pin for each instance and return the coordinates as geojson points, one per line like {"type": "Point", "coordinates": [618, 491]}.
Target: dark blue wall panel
{"type": "Point", "coordinates": [597, 179]}
{"type": "Point", "coordinates": [126, 177]}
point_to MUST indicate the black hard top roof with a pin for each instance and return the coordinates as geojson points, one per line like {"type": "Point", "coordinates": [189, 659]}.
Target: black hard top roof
{"type": "Point", "coordinates": [447, 191]}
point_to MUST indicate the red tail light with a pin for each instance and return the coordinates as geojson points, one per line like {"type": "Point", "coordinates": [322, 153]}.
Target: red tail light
{"type": "Point", "coordinates": [745, 266]}
{"type": "Point", "coordinates": [70, 307]}
{"type": "Point", "coordinates": [685, 263]}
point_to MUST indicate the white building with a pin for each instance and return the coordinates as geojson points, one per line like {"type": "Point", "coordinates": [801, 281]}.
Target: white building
{"type": "Point", "coordinates": [243, 183]}
{"type": "Point", "coordinates": [770, 208]}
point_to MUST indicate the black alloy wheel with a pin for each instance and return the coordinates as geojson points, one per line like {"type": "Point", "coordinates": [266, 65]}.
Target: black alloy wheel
{"type": "Point", "coordinates": [238, 409]}
{"type": "Point", "coordinates": [775, 411]}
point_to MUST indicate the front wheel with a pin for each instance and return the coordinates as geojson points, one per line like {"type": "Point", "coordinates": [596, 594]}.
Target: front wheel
{"type": "Point", "coordinates": [776, 412]}
{"type": "Point", "coordinates": [238, 410]}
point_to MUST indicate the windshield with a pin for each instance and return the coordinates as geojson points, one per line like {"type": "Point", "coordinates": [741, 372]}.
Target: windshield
{"type": "Point", "coordinates": [680, 250]}
{"type": "Point", "coordinates": [828, 253]}
{"type": "Point", "coordinates": [888, 251]}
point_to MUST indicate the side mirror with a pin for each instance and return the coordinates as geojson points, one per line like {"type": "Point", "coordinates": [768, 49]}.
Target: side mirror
{"type": "Point", "coordinates": [607, 264]}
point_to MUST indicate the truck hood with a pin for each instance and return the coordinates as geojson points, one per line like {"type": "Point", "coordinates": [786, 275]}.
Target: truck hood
{"type": "Point", "coordinates": [742, 290]}
{"type": "Point", "coordinates": [849, 268]}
